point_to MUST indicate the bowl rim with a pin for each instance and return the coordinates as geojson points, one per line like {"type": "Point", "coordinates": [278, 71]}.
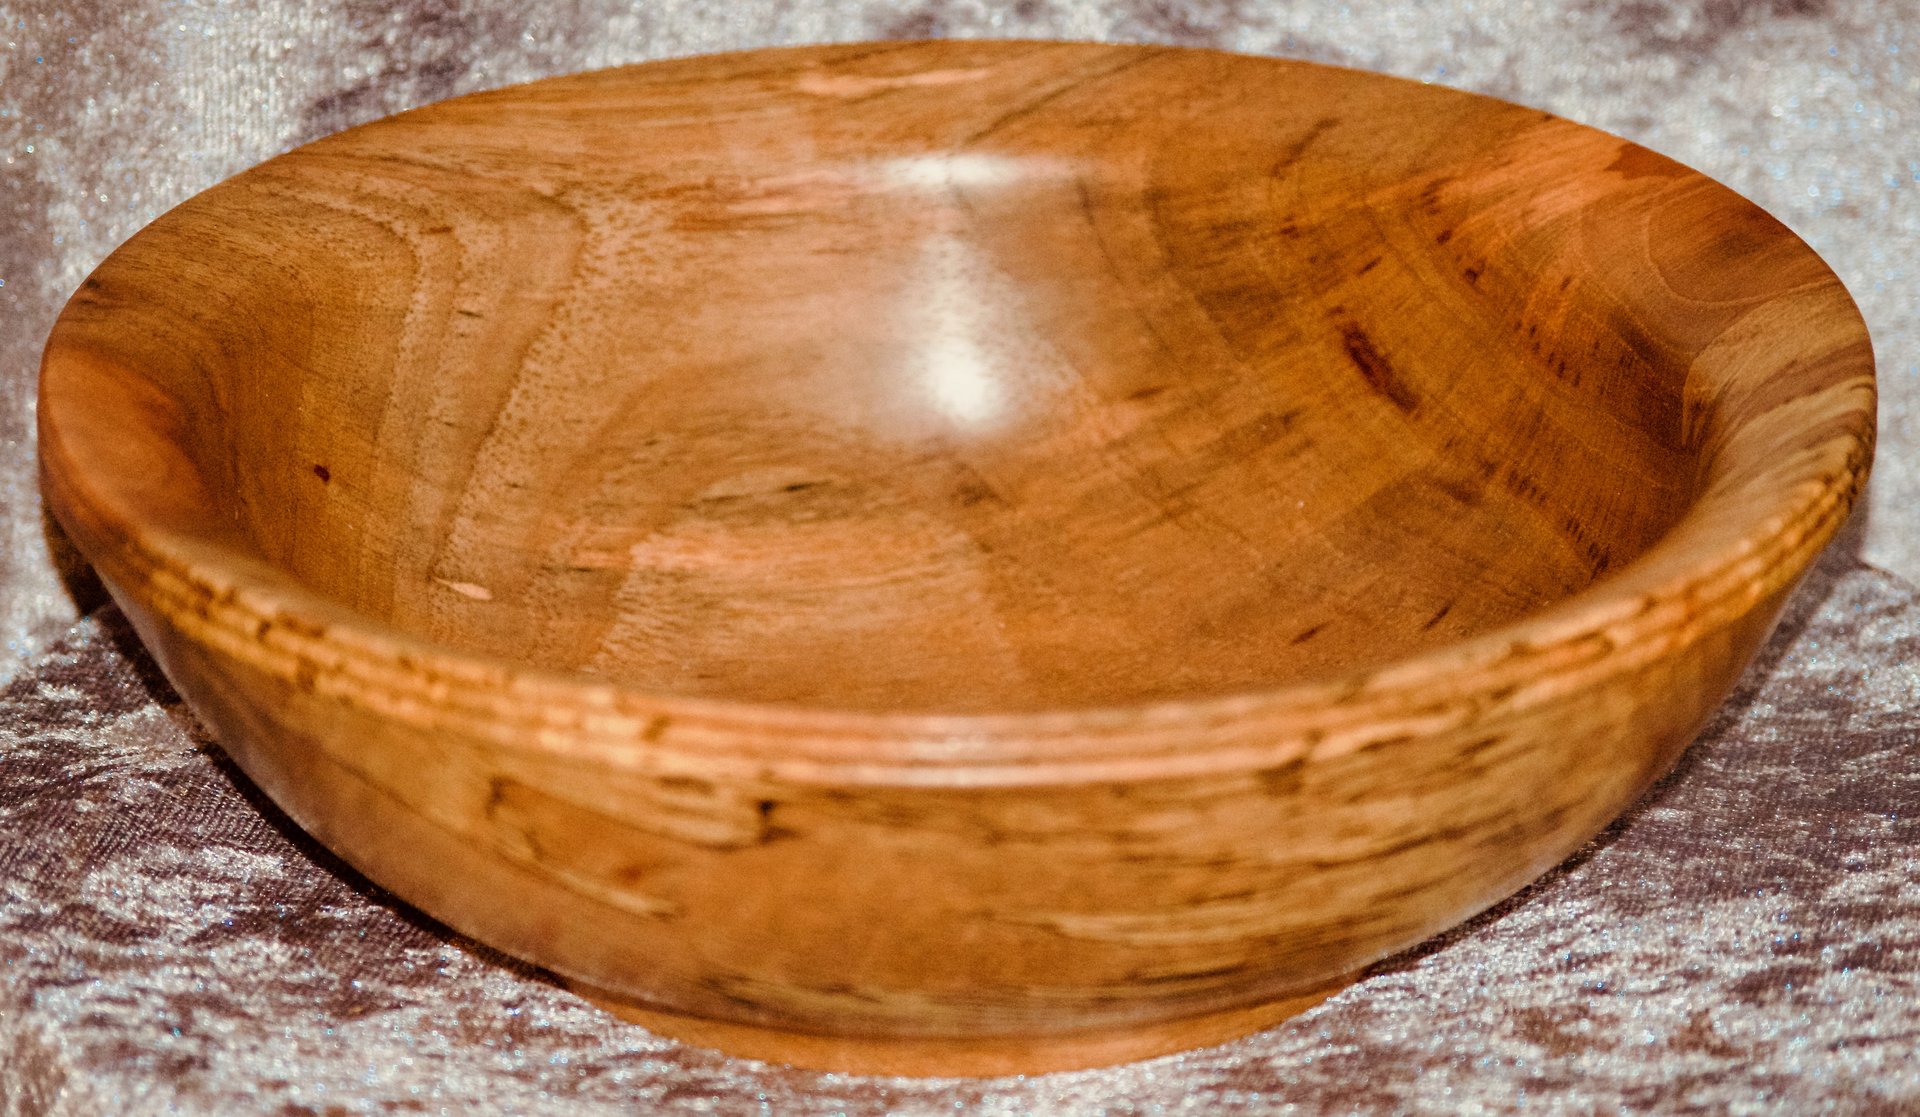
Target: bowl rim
{"type": "Point", "coordinates": [1697, 577]}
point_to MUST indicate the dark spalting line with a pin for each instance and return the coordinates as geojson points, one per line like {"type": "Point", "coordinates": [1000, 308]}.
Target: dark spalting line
{"type": "Point", "coordinates": [1299, 147]}
{"type": "Point", "coordinates": [1306, 635]}
{"type": "Point", "coordinates": [1521, 485]}
{"type": "Point", "coordinates": [1407, 891]}
{"type": "Point", "coordinates": [1437, 617]}
{"type": "Point", "coordinates": [1078, 82]}
{"type": "Point", "coordinates": [1461, 492]}
{"type": "Point", "coordinates": [1444, 835]}
{"type": "Point", "coordinates": [723, 985]}
{"type": "Point", "coordinates": [1368, 266]}
{"type": "Point", "coordinates": [971, 492]}
{"type": "Point", "coordinates": [1210, 974]}
{"type": "Point", "coordinates": [1596, 552]}
{"type": "Point", "coordinates": [1375, 369]}
{"type": "Point", "coordinates": [1379, 743]}
{"type": "Point", "coordinates": [1649, 398]}
{"type": "Point", "coordinates": [1521, 831]}
{"type": "Point", "coordinates": [1635, 337]}
{"type": "Point", "coordinates": [1283, 780]}
{"type": "Point", "coordinates": [498, 788]}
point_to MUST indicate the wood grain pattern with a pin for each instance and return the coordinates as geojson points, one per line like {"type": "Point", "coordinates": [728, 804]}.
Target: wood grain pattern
{"type": "Point", "coordinates": [965, 551]}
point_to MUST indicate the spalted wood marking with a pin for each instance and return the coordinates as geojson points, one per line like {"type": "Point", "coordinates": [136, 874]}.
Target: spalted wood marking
{"type": "Point", "coordinates": [1375, 368]}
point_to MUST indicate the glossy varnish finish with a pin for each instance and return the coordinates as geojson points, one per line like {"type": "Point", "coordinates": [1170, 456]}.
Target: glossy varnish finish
{"type": "Point", "coordinates": [966, 556]}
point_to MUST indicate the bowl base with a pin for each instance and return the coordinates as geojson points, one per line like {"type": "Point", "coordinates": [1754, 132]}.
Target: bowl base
{"type": "Point", "coordinates": [960, 1058]}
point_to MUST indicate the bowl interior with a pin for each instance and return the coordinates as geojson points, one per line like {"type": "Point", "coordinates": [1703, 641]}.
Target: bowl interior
{"type": "Point", "coordinates": [1046, 377]}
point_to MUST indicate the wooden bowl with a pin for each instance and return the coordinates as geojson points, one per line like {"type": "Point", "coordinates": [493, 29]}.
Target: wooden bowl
{"type": "Point", "coordinates": [957, 557]}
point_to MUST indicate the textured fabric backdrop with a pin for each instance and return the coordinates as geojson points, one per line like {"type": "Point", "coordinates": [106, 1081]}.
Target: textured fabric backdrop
{"type": "Point", "coordinates": [1748, 939]}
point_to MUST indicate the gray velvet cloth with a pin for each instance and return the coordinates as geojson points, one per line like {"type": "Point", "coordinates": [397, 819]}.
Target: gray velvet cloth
{"type": "Point", "coordinates": [1746, 940]}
